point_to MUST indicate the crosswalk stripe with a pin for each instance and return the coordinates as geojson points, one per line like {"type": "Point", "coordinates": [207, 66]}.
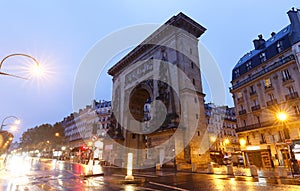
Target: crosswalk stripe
{"type": "Point", "coordinates": [167, 186]}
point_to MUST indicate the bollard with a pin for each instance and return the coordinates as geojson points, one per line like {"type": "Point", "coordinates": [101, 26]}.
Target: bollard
{"type": "Point", "coordinates": [253, 170]}
{"type": "Point", "coordinates": [282, 172]}
{"type": "Point", "coordinates": [194, 167]}
{"type": "Point", "coordinates": [229, 170]}
{"type": "Point", "coordinates": [210, 169]}
{"type": "Point", "coordinates": [157, 166]}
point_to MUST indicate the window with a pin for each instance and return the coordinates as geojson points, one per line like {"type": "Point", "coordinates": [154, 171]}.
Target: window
{"type": "Point", "coordinates": [133, 136]}
{"type": "Point", "coordinates": [271, 96]}
{"type": "Point", "coordinates": [248, 140]}
{"type": "Point", "coordinates": [296, 109]}
{"type": "Point", "coordinates": [285, 75]}
{"type": "Point", "coordinates": [262, 138]}
{"type": "Point", "coordinates": [291, 90]}
{"type": "Point", "coordinates": [262, 57]}
{"type": "Point", "coordinates": [237, 73]}
{"type": "Point", "coordinates": [239, 95]}
{"type": "Point", "coordinates": [242, 107]}
{"type": "Point", "coordinates": [255, 102]}
{"type": "Point", "coordinates": [197, 116]}
{"type": "Point", "coordinates": [267, 83]}
{"type": "Point", "coordinates": [280, 136]}
{"type": "Point", "coordinates": [279, 46]}
{"type": "Point", "coordinates": [252, 90]}
{"type": "Point", "coordinates": [193, 81]}
{"type": "Point", "coordinates": [192, 64]}
{"type": "Point", "coordinates": [245, 124]}
{"type": "Point", "coordinates": [286, 133]}
{"type": "Point", "coordinates": [195, 99]}
{"type": "Point", "coordinates": [248, 65]}
{"type": "Point", "coordinates": [258, 119]}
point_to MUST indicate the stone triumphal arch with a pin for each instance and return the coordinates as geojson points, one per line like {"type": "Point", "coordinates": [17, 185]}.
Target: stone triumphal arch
{"type": "Point", "coordinates": [158, 110]}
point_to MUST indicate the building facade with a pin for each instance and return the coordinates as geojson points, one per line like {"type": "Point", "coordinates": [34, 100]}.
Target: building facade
{"type": "Point", "coordinates": [265, 89]}
{"type": "Point", "coordinates": [221, 130]}
{"type": "Point", "coordinates": [88, 125]}
{"type": "Point", "coordinates": [163, 72]}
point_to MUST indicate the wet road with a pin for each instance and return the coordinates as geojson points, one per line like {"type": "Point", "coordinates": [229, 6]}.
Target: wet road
{"type": "Point", "coordinates": [33, 174]}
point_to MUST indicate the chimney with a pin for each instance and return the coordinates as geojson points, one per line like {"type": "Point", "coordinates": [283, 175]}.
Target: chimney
{"type": "Point", "coordinates": [294, 16]}
{"type": "Point", "coordinates": [259, 43]}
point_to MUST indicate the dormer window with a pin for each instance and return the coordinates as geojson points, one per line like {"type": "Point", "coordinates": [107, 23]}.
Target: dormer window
{"type": "Point", "coordinates": [237, 73]}
{"type": "Point", "coordinates": [262, 57]}
{"type": "Point", "coordinates": [248, 65]}
{"type": "Point", "coordinates": [279, 46]}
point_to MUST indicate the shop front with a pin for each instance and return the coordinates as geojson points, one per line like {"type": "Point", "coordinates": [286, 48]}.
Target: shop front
{"type": "Point", "coordinates": [261, 158]}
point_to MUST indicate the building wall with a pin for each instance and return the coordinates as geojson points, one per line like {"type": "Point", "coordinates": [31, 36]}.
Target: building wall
{"type": "Point", "coordinates": [140, 75]}
{"type": "Point", "coordinates": [269, 87]}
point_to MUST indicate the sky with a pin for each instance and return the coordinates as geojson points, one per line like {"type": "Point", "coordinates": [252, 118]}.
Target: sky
{"type": "Point", "coordinates": [59, 34]}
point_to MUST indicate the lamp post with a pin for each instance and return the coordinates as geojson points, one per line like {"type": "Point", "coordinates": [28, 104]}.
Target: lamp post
{"type": "Point", "coordinates": [17, 54]}
{"type": "Point", "coordinates": [282, 116]}
{"type": "Point", "coordinates": [17, 121]}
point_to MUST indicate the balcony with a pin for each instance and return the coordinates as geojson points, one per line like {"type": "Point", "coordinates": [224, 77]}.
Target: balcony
{"type": "Point", "coordinates": [255, 108]}
{"type": "Point", "coordinates": [242, 112]}
{"type": "Point", "coordinates": [291, 96]}
{"type": "Point", "coordinates": [269, 88]}
{"type": "Point", "coordinates": [255, 126]}
{"type": "Point", "coordinates": [272, 102]}
{"type": "Point", "coordinates": [287, 78]}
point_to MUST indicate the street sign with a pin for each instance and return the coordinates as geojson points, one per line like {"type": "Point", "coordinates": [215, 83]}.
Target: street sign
{"type": "Point", "coordinates": [289, 141]}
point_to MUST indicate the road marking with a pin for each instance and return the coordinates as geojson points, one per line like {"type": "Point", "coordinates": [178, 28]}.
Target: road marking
{"type": "Point", "coordinates": [145, 175]}
{"type": "Point", "coordinates": [138, 175]}
{"type": "Point", "coordinates": [167, 186]}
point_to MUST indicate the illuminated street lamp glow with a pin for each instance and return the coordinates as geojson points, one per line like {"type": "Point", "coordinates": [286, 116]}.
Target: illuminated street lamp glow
{"type": "Point", "coordinates": [14, 128]}
{"type": "Point", "coordinates": [226, 141]}
{"type": "Point", "coordinates": [16, 122]}
{"type": "Point", "coordinates": [36, 71]}
{"type": "Point", "coordinates": [281, 116]}
{"type": "Point", "coordinates": [19, 54]}
{"type": "Point", "coordinates": [213, 138]}
{"type": "Point", "coordinates": [242, 142]}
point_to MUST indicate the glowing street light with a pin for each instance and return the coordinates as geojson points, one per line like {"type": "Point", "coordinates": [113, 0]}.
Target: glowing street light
{"type": "Point", "coordinates": [16, 122]}
{"type": "Point", "coordinates": [281, 116]}
{"type": "Point", "coordinates": [226, 141]}
{"type": "Point", "coordinates": [242, 142]}
{"type": "Point", "coordinates": [35, 70]}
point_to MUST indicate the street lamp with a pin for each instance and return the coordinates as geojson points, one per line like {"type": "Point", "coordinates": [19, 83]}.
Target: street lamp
{"type": "Point", "coordinates": [37, 68]}
{"type": "Point", "coordinates": [282, 116]}
{"type": "Point", "coordinates": [16, 122]}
